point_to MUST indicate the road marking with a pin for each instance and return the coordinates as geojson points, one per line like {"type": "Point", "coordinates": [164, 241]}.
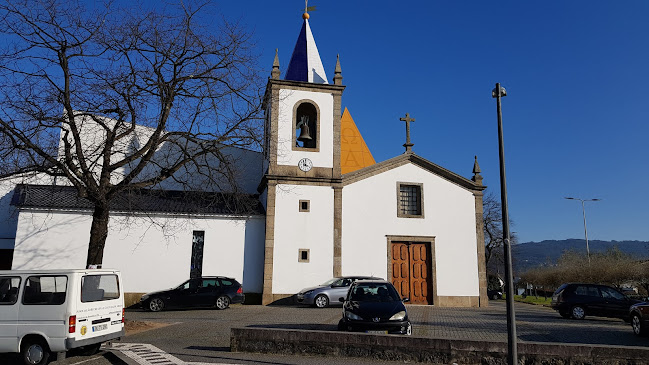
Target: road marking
{"type": "Point", "coordinates": [146, 354]}
{"type": "Point", "coordinates": [92, 359]}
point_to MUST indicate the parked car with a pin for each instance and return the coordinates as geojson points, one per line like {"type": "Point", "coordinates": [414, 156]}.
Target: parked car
{"type": "Point", "coordinates": [47, 312]}
{"type": "Point", "coordinates": [328, 292]}
{"type": "Point", "coordinates": [494, 294]}
{"type": "Point", "coordinates": [639, 317]}
{"type": "Point", "coordinates": [208, 291]}
{"type": "Point", "coordinates": [374, 306]}
{"type": "Point", "coordinates": [579, 300]}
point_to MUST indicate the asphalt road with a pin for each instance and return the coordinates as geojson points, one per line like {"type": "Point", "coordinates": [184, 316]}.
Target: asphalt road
{"type": "Point", "coordinates": [203, 336]}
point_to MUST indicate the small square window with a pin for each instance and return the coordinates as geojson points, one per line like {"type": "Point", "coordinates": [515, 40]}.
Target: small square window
{"type": "Point", "coordinates": [303, 255]}
{"type": "Point", "coordinates": [305, 205]}
{"type": "Point", "coordinates": [409, 200]}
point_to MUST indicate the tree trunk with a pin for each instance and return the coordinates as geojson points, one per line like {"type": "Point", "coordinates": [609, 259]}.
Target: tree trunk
{"type": "Point", "coordinates": [98, 234]}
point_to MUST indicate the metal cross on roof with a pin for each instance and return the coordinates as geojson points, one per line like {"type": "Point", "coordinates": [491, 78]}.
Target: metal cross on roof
{"type": "Point", "coordinates": [407, 119]}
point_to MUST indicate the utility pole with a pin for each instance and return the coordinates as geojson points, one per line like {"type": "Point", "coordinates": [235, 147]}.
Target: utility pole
{"type": "Point", "coordinates": [512, 355]}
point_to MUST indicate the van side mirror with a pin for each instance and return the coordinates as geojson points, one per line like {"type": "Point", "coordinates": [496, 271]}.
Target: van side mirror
{"type": "Point", "coordinates": [406, 300]}
{"type": "Point", "coordinates": [341, 299]}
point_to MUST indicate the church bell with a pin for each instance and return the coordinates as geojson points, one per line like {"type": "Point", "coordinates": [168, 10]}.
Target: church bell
{"type": "Point", "coordinates": [304, 132]}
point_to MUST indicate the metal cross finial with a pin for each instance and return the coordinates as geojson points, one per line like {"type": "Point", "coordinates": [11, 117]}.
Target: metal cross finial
{"type": "Point", "coordinates": [407, 119]}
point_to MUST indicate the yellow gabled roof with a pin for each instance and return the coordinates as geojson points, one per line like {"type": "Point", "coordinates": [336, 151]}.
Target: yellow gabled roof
{"type": "Point", "coordinates": [354, 154]}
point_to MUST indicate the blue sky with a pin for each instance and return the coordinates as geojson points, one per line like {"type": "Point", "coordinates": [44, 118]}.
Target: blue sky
{"type": "Point", "coordinates": [575, 118]}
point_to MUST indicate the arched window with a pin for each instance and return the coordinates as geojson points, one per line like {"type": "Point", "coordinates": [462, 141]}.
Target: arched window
{"type": "Point", "coordinates": [306, 126]}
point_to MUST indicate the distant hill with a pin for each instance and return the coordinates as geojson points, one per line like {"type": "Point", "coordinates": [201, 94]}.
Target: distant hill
{"type": "Point", "coordinates": [532, 254]}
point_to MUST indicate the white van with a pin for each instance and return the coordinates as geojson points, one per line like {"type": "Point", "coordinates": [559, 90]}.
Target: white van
{"type": "Point", "coordinates": [52, 311]}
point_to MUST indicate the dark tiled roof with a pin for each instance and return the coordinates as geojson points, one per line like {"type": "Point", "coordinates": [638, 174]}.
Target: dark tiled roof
{"type": "Point", "coordinates": [141, 200]}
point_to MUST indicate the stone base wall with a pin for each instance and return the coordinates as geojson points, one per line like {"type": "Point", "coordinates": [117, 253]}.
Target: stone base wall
{"type": "Point", "coordinates": [132, 299]}
{"type": "Point", "coordinates": [429, 350]}
{"type": "Point", "coordinates": [459, 302]}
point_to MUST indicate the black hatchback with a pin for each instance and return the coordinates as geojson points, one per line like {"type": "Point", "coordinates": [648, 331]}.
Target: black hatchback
{"type": "Point", "coordinates": [576, 301]}
{"type": "Point", "coordinates": [374, 306]}
{"type": "Point", "coordinates": [213, 291]}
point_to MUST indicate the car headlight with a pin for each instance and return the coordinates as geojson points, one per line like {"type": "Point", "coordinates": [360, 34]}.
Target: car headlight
{"type": "Point", "coordinates": [307, 292]}
{"type": "Point", "coordinates": [353, 316]}
{"type": "Point", "coordinates": [144, 297]}
{"type": "Point", "coordinates": [398, 316]}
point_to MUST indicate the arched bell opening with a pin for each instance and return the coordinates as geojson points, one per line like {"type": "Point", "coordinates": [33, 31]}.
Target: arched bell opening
{"type": "Point", "coordinates": [306, 126]}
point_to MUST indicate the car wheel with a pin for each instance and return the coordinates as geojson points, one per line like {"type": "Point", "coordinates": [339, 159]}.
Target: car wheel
{"type": "Point", "coordinates": [578, 312]}
{"type": "Point", "coordinates": [564, 314]}
{"type": "Point", "coordinates": [409, 329]}
{"type": "Point", "coordinates": [321, 301]}
{"type": "Point", "coordinates": [156, 304]}
{"type": "Point", "coordinates": [34, 352]}
{"type": "Point", "coordinates": [222, 302]}
{"type": "Point", "coordinates": [495, 297]}
{"type": "Point", "coordinates": [638, 328]}
{"type": "Point", "coordinates": [341, 325]}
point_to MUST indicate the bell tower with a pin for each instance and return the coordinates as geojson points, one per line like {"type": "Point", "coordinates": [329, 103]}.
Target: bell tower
{"type": "Point", "coordinates": [302, 187]}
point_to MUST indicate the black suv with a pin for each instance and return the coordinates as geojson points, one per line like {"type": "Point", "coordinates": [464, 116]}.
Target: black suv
{"type": "Point", "coordinates": [578, 300]}
{"type": "Point", "coordinates": [214, 291]}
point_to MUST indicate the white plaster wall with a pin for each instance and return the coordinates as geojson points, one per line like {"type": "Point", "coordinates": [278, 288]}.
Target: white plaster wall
{"type": "Point", "coordinates": [370, 213]}
{"type": "Point", "coordinates": [296, 230]}
{"type": "Point", "coordinates": [9, 213]}
{"type": "Point", "coordinates": [285, 154]}
{"type": "Point", "coordinates": [152, 253]}
{"type": "Point", "coordinates": [247, 165]}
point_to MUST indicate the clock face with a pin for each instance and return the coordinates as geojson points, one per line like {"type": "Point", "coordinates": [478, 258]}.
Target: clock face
{"type": "Point", "coordinates": [305, 164]}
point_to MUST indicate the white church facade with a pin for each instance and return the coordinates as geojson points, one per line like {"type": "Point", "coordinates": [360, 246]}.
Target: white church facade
{"type": "Point", "coordinates": [322, 208]}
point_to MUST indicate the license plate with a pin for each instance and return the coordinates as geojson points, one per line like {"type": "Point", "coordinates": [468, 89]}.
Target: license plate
{"type": "Point", "coordinates": [382, 332]}
{"type": "Point", "coordinates": [99, 327]}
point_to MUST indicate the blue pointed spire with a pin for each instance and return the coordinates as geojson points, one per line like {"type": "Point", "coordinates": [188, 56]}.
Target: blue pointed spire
{"type": "Point", "coordinates": [305, 64]}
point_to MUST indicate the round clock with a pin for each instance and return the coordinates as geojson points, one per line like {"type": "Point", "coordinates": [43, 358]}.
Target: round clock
{"type": "Point", "coordinates": [305, 164]}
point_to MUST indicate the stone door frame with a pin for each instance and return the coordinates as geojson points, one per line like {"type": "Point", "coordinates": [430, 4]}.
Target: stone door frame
{"type": "Point", "coordinates": [415, 239]}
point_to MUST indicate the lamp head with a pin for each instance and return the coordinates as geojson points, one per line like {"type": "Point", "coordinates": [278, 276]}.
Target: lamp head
{"type": "Point", "coordinates": [494, 92]}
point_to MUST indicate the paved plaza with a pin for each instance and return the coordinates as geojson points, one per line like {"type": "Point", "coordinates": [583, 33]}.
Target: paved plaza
{"type": "Point", "coordinates": [200, 332]}
{"type": "Point", "coordinates": [203, 336]}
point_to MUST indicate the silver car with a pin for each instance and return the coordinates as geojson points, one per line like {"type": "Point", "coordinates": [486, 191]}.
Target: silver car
{"type": "Point", "coordinates": [321, 295]}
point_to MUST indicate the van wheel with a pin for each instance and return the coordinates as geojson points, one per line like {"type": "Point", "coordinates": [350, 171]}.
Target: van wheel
{"type": "Point", "coordinates": [90, 349]}
{"type": "Point", "coordinates": [34, 352]}
{"type": "Point", "coordinates": [222, 302]}
{"type": "Point", "coordinates": [156, 305]}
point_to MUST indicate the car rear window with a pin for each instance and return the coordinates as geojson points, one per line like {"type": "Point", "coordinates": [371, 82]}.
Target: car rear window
{"type": "Point", "coordinates": [227, 282]}
{"type": "Point", "coordinates": [45, 290]}
{"type": "Point", "coordinates": [210, 283]}
{"type": "Point", "coordinates": [9, 289]}
{"type": "Point", "coordinates": [587, 290]}
{"type": "Point", "coordinates": [97, 288]}
{"type": "Point", "coordinates": [560, 289]}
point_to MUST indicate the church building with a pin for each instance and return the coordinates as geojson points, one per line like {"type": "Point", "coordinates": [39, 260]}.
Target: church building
{"type": "Point", "coordinates": [325, 209]}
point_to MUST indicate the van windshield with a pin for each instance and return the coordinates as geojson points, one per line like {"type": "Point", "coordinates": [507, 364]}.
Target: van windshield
{"type": "Point", "coordinates": [96, 288]}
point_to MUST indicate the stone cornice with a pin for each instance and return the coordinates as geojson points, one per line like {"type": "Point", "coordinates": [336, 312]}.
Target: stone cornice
{"type": "Point", "coordinates": [297, 180]}
{"type": "Point", "coordinates": [299, 85]}
{"type": "Point", "coordinates": [405, 158]}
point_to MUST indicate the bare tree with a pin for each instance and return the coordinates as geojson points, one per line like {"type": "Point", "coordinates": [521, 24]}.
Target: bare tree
{"type": "Point", "coordinates": [115, 99]}
{"type": "Point", "coordinates": [493, 233]}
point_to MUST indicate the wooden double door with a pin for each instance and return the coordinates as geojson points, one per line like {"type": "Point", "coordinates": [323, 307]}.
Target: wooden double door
{"type": "Point", "coordinates": [411, 271]}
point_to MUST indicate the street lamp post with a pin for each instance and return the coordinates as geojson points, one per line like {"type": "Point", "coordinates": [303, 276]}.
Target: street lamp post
{"type": "Point", "coordinates": [583, 210]}
{"type": "Point", "coordinates": [512, 358]}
